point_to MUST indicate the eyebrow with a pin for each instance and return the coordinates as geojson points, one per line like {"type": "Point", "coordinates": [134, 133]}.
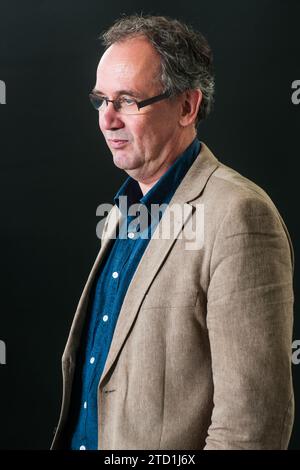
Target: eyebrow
{"type": "Point", "coordinates": [133, 93]}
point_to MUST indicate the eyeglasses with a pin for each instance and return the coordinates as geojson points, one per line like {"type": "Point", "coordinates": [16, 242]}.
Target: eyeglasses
{"type": "Point", "coordinates": [125, 105]}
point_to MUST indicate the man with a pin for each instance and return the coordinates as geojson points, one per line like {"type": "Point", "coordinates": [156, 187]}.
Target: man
{"type": "Point", "coordinates": [180, 341]}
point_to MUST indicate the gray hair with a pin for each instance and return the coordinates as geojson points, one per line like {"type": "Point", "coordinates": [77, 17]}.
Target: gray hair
{"type": "Point", "coordinates": [186, 57]}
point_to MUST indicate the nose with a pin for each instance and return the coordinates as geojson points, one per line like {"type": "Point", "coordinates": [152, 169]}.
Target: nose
{"type": "Point", "coordinates": [109, 118]}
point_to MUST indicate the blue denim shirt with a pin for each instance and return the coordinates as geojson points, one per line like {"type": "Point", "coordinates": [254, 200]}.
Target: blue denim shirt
{"type": "Point", "coordinates": [107, 295]}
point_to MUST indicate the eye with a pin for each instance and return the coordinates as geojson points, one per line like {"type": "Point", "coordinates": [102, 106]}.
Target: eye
{"type": "Point", "coordinates": [96, 100]}
{"type": "Point", "coordinates": [128, 101]}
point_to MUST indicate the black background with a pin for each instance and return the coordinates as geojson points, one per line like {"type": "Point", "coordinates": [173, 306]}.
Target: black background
{"type": "Point", "coordinates": [56, 169]}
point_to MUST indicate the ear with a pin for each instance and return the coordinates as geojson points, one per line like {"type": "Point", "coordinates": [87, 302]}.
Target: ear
{"type": "Point", "coordinates": [190, 104]}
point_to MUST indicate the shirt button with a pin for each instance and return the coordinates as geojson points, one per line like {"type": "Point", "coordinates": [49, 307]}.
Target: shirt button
{"type": "Point", "coordinates": [85, 404]}
{"type": "Point", "coordinates": [115, 274]}
{"type": "Point", "coordinates": [105, 318]}
{"type": "Point", "coordinates": [82, 448]}
{"type": "Point", "coordinates": [92, 360]}
{"type": "Point", "coordinates": [130, 235]}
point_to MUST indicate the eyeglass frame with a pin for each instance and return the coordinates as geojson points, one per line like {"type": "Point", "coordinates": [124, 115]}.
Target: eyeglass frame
{"type": "Point", "coordinates": [139, 104]}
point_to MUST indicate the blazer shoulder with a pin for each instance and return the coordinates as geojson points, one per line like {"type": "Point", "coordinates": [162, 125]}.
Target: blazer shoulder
{"type": "Point", "coordinates": [243, 204]}
{"type": "Point", "coordinates": [234, 189]}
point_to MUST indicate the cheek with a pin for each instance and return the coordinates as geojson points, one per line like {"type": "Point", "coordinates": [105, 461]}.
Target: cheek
{"type": "Point", "coordinates": [137, 129]}
{"type": "Point", "coordinates": [149, 126]}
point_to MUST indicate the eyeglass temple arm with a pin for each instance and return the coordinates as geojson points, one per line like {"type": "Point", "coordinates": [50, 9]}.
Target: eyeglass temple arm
{"type": "Point", "coordinates": [141, 104]}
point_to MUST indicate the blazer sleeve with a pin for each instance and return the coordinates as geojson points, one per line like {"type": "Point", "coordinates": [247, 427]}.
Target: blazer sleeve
{"type": "Point", "coordinates": [250, 320]}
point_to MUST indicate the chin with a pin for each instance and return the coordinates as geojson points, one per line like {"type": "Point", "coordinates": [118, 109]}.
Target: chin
{"type": "Point", "coordinates": [121, 160]}
{"type": "Point", "coordinates": [127, 162]}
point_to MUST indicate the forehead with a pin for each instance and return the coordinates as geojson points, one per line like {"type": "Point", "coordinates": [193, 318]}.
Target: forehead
{"type": "Point", "coordinates": [132, 64]}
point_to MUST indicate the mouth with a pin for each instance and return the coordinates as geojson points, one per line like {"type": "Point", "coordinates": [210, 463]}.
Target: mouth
{"type": "Point", "coordinates": [117, 143]}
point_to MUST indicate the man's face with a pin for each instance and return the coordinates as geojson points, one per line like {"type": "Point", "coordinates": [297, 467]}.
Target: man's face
{"type": "Point", "coordinates": [150, 136]}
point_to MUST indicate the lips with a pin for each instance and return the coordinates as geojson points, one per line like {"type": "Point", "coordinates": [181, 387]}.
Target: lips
{"type": "Point", "coordinates": [117, 143]}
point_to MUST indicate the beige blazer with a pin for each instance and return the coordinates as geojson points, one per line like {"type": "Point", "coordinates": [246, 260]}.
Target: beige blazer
{"type": "Point", "coordinates": [201, 353]}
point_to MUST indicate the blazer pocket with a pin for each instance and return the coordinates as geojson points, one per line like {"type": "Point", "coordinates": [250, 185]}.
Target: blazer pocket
{"type": "Point", "coordinates": [186, 298]}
